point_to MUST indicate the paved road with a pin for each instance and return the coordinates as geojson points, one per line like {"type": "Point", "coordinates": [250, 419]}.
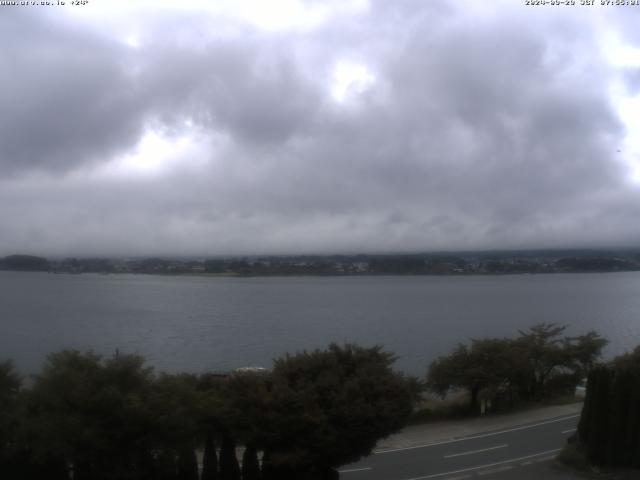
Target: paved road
{"type": "Point", "coordinates": [479, 455]}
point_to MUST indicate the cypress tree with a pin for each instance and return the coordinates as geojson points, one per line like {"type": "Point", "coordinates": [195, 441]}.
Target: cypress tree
{"type": "Point", "coordinates": [599, 424]}
{"type": "Point", "coordinates": [586, 418]}
{"type": "Point", "coordinates": [609, 426]}
{"type": "Point", "coordinates": [587, 425]}
{"type": "Point", "coordinates": [166, 465]}
{"type": "Point", "coordinates": [187, 464]}
{"type": "Point", "coordinates": [633, 424]}
{"type": "Point", "coordinates": [637, 444]}
{"type": "Point", "coordinates": [267, 467]}
{"type": "Point", "coordinates": [229, 468]}
{"type": "Point", "coordinates": [250, 464]}
{"type": "Point", "coordinates": [618, 416]}
{"type": "Point", "coordinates": [210, 459]}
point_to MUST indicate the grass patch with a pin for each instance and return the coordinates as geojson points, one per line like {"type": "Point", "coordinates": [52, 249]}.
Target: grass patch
{"type": "Point", "coordinates": [456, 406]}
{"type": "Point", "coordinates": [574, 457]}
{"type": "Point", "coordinates": [564, 400]}
{"type": "Point", "coordinates": [433, 409]}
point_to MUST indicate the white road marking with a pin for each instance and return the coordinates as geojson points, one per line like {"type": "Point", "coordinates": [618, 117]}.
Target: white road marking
{"type": "Point", "coordinates": [489, 465]}
{"type": "Point", "coordinates": [496, 470]}
{"type": "Point", "coordinates": [471, 452]}
{"type": "Point", "coordinates": [355, 470]}
{"type": "Point", "coordinates": [569, 430]}
{"type": "Point", "coordinates": [473, 437]}
{"type": "Point", "coordinates": [544, 459]}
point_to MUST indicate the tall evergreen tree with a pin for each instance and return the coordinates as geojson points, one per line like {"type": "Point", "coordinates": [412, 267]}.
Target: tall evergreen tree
{"type": "Point", "coordinates": [209, 459]}
{"type": "Point", "coordinates": [586, 418]}
{"type": "Point", "coordinates": [633, 425]}
{"type": "Point", "coordinates": [250, 464]}
{"type": "Point", "coordinates": [187, 464]}
{"type": "Point", "coordinates": [609, 427]}
{"type": "Point", "coordinates": [229, 468]}
{"type": "Point", "coordinates": [165, 466]}
{"type": "Point", "coordinates": [616, 447]}
{"type": "Point", "coordinates": [600, 418]}
{"type": "Point", "coordinates": [10, 383]}
{"type": "Point", "coordinates": [266, 470]}
{"type": "Point", "coordinates": [600, 415]}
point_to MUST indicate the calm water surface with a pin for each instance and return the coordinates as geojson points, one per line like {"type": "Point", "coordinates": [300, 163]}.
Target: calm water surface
{"type": "Point", "coordinates": [203, 323]}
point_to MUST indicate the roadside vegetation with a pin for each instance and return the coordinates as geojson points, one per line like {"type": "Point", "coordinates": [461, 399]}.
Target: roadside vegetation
{"type": "Point", "coordinates": [88, 417]}
{"type": "Point", "coordinates": [91, 418]}
{"type": "Point", "coordinates": [608, 434]}
{"type": "Point", "coordinates": [540, 365]}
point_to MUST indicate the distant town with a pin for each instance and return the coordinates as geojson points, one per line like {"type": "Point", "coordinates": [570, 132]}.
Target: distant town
{"type": "Point", "coordinates": [460, 263]}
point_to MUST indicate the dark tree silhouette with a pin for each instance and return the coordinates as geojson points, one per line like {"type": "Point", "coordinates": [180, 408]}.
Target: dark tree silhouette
{"type": "Point", "coordinates": [250, 464]}
{"type": "Point", "coordinates": [209, 459]}
{"type": "Point", "coordinates": [229, 468]}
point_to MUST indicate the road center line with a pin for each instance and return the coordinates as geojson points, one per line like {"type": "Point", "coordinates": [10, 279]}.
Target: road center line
{"type": "Point", "coordinates": [471, 452]}
{"type": "Point", "coordinates": [569, 430]}
{"type": "Point", "coordinates": [473, 437]}
{"type": "Point", "coordinates": [435, 475]}
{"type": "Point", "coordinates": [504, 468]}
{"type": "Point", "coordinates": [355, 470]}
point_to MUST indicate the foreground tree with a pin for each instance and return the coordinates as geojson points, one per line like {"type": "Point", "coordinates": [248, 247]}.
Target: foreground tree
{"type": "Point", "coordinates": [250, 464]}
{"type": "Point", "coordinates": [584, 351]}
{"type": "Point", "coordinates": [209, 459]}
{"type": "Point", "coordinates": [539, 363]}
{"type": "Point", "coordinates": [93, 414]}
{"type": "Point", "coordinates": [609, 427]}
{"type": "Point", "coordinates": [187, 464]}
{"type": "Point", "coordinates": [91, 418]}
{"type": "Point", "coordinates": [486, 365]}
{"type": "Point", "coordinates": [323, 409]}
{"type": "Point", "coordinates": [229, 467]}
{"type": "Point", "coordinates": [10, 383]}
{"type": "Point", "coordinates": [210, 417]}
{"type": "Point", "coordinates": [173, 402]}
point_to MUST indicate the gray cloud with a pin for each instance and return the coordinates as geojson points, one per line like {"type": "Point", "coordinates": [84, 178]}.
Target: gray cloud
{"type": "Point", "coordinates": [475, 133]}
{"type": "Point", "coordinates": [632, 80]}
{"type": "Point", "coordinates": [67, 97]}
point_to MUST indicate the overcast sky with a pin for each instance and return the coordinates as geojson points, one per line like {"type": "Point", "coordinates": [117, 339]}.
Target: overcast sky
{"type": "Point", "coordinates": [250, 127]}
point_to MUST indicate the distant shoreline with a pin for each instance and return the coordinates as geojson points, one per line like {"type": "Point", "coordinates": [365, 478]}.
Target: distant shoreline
{"type": "Point", "coordinates": [324, 275]}
{"type": "Point", "coordinates": [462, 264]}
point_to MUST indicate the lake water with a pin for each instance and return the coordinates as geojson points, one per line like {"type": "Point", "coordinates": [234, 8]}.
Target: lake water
{"type": "Point", "coordinates": [205, 323]}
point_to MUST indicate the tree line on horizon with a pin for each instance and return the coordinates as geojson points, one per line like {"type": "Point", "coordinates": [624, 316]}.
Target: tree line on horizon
{"type": "Point", "coordinates": [361, 264]}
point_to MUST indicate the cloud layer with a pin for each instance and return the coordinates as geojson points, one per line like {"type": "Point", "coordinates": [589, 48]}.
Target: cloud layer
{"type": "Point", "coordinates": [385, 126]}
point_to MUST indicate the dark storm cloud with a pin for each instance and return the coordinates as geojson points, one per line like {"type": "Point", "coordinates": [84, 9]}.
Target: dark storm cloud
{"type": "Point", "coordinates": [66, 95]}
{"type": "Point", "coordinates": [255, 95]}
{"type": "Point", "coordinates": [475, 132]}
{"type": "Point", "coordinates": [71, 96]}
{"type": "Point", "coordinates": [475, 121]}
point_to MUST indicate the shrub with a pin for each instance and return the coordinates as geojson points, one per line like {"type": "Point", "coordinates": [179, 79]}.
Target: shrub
{"type": "Point", "coordinates": [573, 456]}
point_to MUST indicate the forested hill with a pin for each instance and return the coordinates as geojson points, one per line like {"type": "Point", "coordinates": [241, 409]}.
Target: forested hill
{"type": "Point", "coordinates": [24, 263]}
